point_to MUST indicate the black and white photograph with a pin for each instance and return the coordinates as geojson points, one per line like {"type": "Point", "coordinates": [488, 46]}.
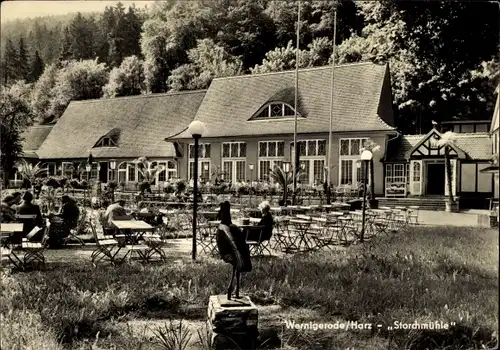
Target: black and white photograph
{"type": "Point", "coordinates": [152, 196]}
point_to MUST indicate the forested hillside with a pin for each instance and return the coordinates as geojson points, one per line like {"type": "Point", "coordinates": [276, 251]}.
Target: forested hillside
{"type": "Point", "coordinates": [443, 56]}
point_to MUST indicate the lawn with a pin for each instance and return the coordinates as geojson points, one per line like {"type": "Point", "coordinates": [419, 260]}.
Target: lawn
{"type": "Point", "coordinates": [422, 274]}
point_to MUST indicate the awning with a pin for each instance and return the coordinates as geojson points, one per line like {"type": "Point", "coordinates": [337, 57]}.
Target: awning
{"type": "Point", "coordinates": [490, 169]}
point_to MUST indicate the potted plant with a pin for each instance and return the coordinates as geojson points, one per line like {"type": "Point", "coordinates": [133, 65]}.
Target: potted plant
{"type": "Point", "coordinates": [284, 181]}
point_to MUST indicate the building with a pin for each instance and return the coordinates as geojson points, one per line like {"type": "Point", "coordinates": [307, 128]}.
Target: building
{"type": "Point", "coordinates": [249, 122]}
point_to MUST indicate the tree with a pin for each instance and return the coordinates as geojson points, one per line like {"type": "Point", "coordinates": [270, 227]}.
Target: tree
{"type": "Point", "coordinates": [30, 171]}
{"type": "Point", "coordinates": [154, 43]}
{"type": "Point", "coordinates": [126, 80]}
{"type": "Point", "coordinates": [447, 141]}
{"type": "Point", "coordinates": [208, 61]}
{"type": "Point", "coordinates": [81, 37]}
{"type": "Point", "coordinates": [10, 59]}
{"type": "Point", "coordinates": [247, 31]}
{"type": "Point", "coordinates": [77, 80]}
{"type": "Point", "coordinates": [285, 180]}
{"type": "Point", "coordinates": [66, 49]}
{"type": "Point", "coordinates": [43, 93]}
{"type": "Point", "coordinates": [37, 67]}
{"type": "Point", "coordinates": [432, 57]}
{"type": "Point", "coordinates": [23, 61]}
{"type": "Point", "coordinates": [15, 115]}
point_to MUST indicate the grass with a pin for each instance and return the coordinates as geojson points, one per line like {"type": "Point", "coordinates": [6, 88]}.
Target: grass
{"type": "Point", "coordinates": [423, 274]}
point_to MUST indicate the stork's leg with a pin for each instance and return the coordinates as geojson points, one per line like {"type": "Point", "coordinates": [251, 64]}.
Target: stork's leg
{"type": "Point", "coordinates": [237, 284]}
{"type": "Point", "coordinates": [230, 288]}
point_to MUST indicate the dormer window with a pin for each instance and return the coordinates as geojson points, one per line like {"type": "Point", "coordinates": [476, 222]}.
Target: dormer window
{"type": "Point", "coordinates": [275, 110]}
{"type": "Point", "coordinates": [109, 140]}
{"type": "Point", "coordinates": [106, 142]}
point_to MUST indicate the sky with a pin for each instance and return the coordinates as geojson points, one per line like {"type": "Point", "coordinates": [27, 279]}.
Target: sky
{"type": "Point", "coordinates": [11, 10]}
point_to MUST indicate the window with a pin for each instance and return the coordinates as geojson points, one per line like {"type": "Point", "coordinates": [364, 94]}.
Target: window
{"type": "Point", "coordinates": [351, 147]}
{"type": "Point", "coordinates": [348, 161]}
{"type": "Point", "coordinates": [203, 150]}
{"type": "Point", "coordinates": [276, 110]}
{"type": "Point", "coordinates": [203, 169]}
{"type": "Point", "coordinates": [122, 173]}
{"type": "Point", "coordinates": [106, 141]}
{"type": "Point", "coordinates": [416, 172]}
{"type": "Point", "coordinates": [346, 171]}
{"type": "Point", "coordinates": [131, 172]}
{"type": "Point", "coordinates": [67, 169]}
{"type": "Point", "coordinates": [271, 155]}
{"type": "Point", "coordinates": [312, 155]}
{"type": "Point", "coordinates": [234, 150]}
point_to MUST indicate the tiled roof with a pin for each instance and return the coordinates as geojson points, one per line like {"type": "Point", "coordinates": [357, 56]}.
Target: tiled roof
{"type": "Point", "coordinates": [477, 146]}
{"type": "Point", "coordinates": [143, 123]}
{"type": "Point", "coordinates": [33, 138]}
{"type": "Point", "coordinates": [231, 101]}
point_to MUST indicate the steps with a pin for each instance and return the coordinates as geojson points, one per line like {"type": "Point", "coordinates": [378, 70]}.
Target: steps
{"type": "Point", "coordinates": [425, 203]}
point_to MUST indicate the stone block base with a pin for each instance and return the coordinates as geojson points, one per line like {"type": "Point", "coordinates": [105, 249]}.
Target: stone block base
{"type": "Point", "coordinates": [234, 323]}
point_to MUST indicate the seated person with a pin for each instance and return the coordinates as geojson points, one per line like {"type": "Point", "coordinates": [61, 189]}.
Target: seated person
{"type": "Point", "coordinates": [69, 214]}
{"type": "Point", "coordinates": [28, 208]}
{"type": "Point", "coordinates": [7, 212]}
{"type": "Point", "coordinates": [267, 221]}
{"type": "Point", "coordinates": [115, 210]}
{"type": "Point", "coordinates": [17, 200]}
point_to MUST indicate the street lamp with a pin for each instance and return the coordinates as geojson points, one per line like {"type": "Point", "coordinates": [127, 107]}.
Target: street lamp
{"type": "Point", "coordinates": [112, 166]}
{"type": "Point", "coordinates": [205, 169]}
{"type": "Point", "coordinates": [286, 169]}
{"type": "Point", "coordinates": [366, 156]}
{"type": "Point", "coordinates": [196, 129]}
{"type": "Point", "coordinates": [251, 167]}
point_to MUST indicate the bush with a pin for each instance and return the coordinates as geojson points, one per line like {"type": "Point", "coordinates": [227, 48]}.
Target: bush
{"type": "Point", "coordinates": [52, 182]}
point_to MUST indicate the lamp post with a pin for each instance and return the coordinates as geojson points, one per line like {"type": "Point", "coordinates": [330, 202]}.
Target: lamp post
{"type": "Point", "coordinates": [366, 156]}
{"type": "Point", "coordinates": [286, 169]}
{"type": "Point", "coordinates": [112, 166]}
{"type": "Point", "coordinates": [251, 167]}
{"type": "Point", "coordinates": [196, 129]}
{"type": "Point", "coordinates": [88, 168]}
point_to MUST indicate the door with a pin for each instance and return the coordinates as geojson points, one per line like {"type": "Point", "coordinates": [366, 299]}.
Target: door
{"type": "Point", "coordinates": [103, 172]}
{"type": "Point", "coordinates": [416, 177]}
{"type": "Point", "coordinates": [435, 179]}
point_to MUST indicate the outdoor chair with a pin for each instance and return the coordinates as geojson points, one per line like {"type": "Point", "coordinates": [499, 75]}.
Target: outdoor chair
{"type": "Point", "coordinates": [413, 215]}
{"type": "Point", "coordinates": [155, 246]}
{"type": "Point", "coordinates": [34, 251]}
{"type": "Point", "coordinates": [73, 233]}
{"type": "Point", "coordinates": [205, 236]}
{"type": "Point", "coordinates": [104, 247]}
{"type": "Point", "coordinates": [258, 246]}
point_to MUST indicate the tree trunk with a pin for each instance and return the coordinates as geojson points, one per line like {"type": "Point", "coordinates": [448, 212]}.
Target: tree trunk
{"type": "Point", "coordinates": [449, 177]}
{"type": "Point", "coordinates": [372, 181]}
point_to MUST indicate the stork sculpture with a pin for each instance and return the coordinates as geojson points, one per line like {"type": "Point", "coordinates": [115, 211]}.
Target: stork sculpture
{"type": "Point", "coordinates": [232, 248]}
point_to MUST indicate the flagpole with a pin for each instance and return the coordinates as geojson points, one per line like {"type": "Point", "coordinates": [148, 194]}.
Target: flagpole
{"type": "Point", "coordinates": [295, 146]}
{"type": "Point", "coordinates": [330, 139]}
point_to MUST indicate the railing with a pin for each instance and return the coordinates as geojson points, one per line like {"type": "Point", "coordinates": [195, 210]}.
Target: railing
{"type": "Point", "coordinates": [395, 186]}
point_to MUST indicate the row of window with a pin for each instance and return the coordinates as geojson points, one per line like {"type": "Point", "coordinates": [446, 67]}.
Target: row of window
{"type": "Point", "coordinates": [307, 148]}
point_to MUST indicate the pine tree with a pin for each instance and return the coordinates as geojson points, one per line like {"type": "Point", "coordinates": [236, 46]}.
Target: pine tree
{"type": "Point", "coordinates": [10, 63]}
{"type": "Point", "coordinates": [37, 67]}
{"type": "Point", "coordinates": [23, 61]}
{"type": "Point", "coordinates": [66, 52]}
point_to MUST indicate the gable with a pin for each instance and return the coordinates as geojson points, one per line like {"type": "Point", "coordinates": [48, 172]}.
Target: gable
{"type": "Point", "coordinates": [428, 147]}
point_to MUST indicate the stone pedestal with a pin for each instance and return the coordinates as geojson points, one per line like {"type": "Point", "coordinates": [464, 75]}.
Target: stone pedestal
{"type": "Point", "coordinates": [234, 323]}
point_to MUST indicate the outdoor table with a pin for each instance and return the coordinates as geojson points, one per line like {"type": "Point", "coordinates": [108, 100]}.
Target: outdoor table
{"type": "Point", "coordinates": [6, 231]}
{"type": "Point", "coordinates": [132, 229]}
{"type": "Point", "coordinates": [301, 228]}
{"type": "Point", "coordinates": [209, 215]}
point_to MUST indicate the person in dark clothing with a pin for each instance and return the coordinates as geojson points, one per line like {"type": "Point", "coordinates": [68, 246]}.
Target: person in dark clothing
{"type": "Point", "coordinates": [267, 221]}
{"type": "Point", "coordinates": [69, 212]}
{"type": "Point", "coordinates": [7, 212]}
{"type": "Point", "coordinates": [28, 208]}
{"type": "Point", "coordinates": [232, 247]}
